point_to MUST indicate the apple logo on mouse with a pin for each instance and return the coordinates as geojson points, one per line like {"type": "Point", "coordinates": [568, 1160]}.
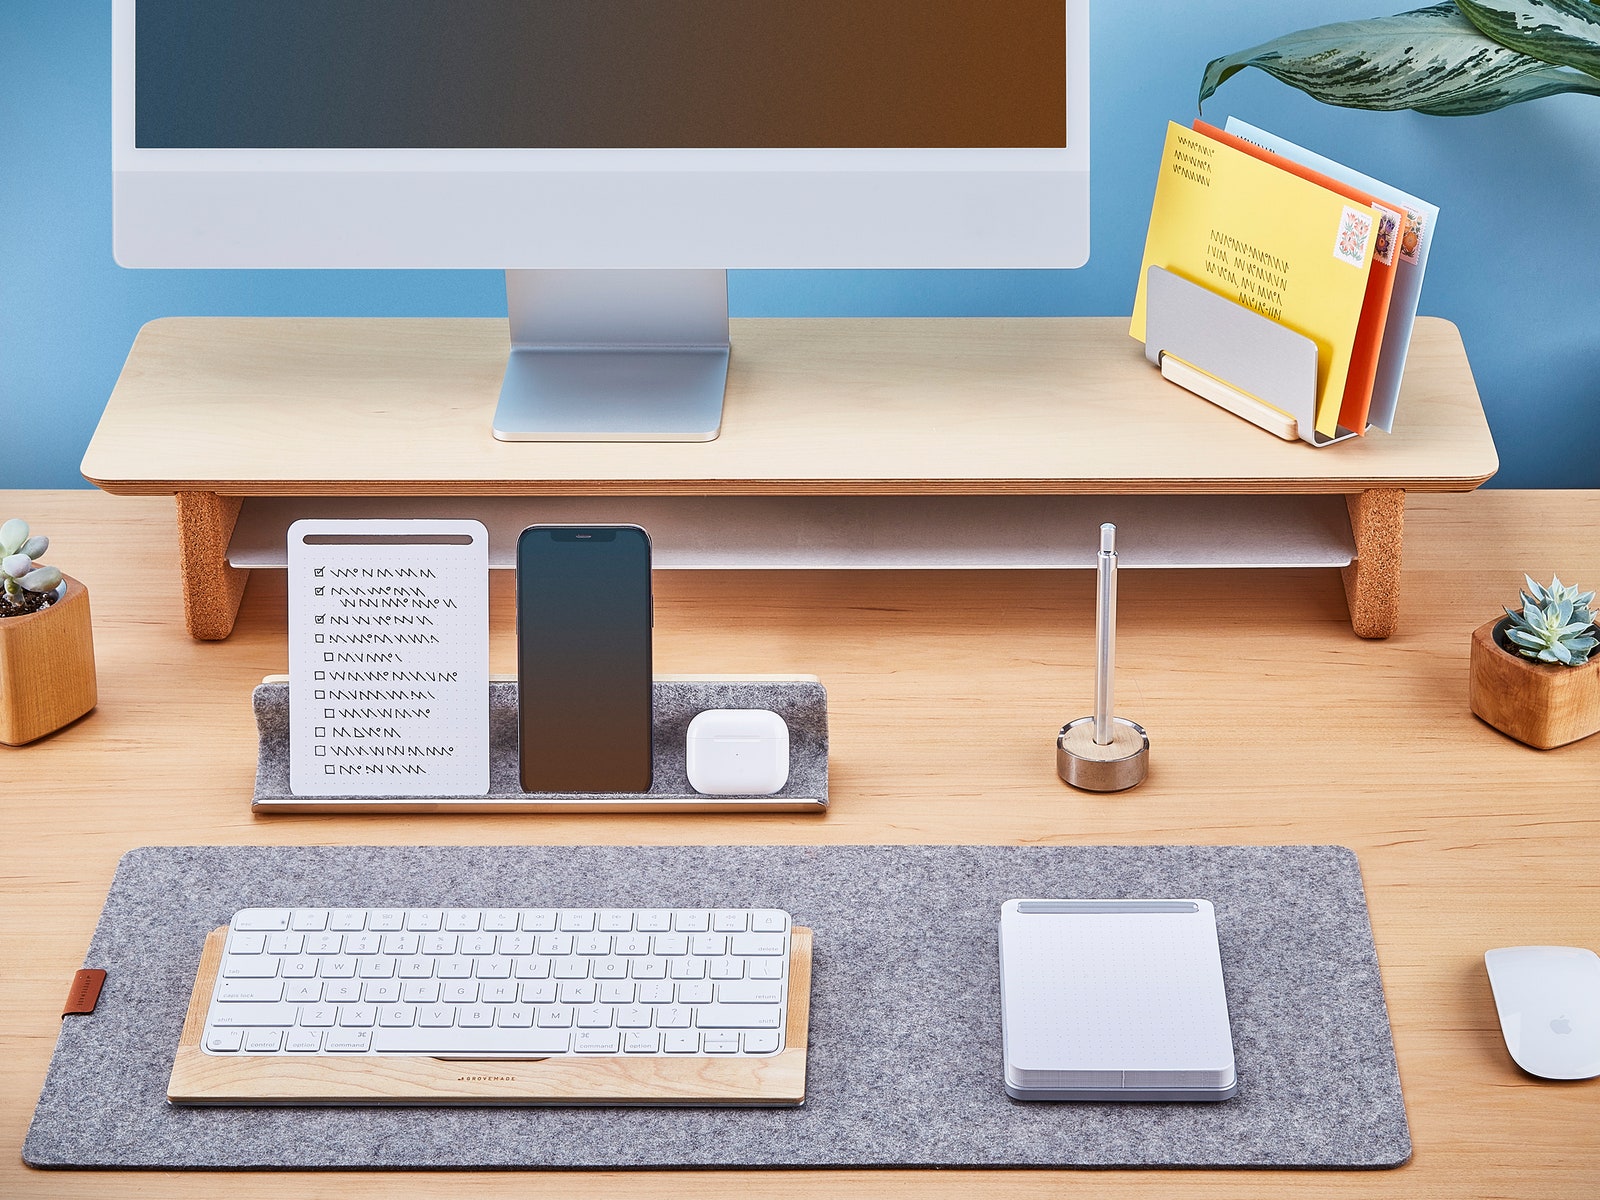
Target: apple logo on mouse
{"type": "Point", "coordinates": [1561, 1025]}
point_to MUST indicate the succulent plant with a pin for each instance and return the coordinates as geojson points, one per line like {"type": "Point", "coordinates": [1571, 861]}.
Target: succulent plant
{"type": "Point", "coordinates": [29, 585]}
{"type": "Point", "coordinates": [1555, 625]}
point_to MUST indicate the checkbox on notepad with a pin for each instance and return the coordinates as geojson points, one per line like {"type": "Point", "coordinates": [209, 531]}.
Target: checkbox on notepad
{"type": "Point", "coordinates": [328, 769]}
{"type": "Point", "coordinates": [319, 694]}
{"type": "Point", "coordinates": [327, 656]}
{"type": "Point", "coordinates": [318, 675]}
{"type": "Point", "coordinates": [327, 712]}
{"type": "Point", "coordinates": [321, 751]}
{"type": "Point", "coordinates": [321, 731]}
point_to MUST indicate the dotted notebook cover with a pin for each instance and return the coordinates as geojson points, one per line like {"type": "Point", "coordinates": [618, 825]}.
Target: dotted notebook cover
{"type": "Point", "coordinates": [905, 1049]}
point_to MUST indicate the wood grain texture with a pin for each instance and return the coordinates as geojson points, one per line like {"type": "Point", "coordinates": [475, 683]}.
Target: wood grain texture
{"type": "Point", "coordinates": [47, 675]}
{"type": "Point", "coordinates": [212, 588]}
{"type": "Point", "coordinates": [778, 1081]}
{"type": "Point", "coordinates": [1372, 581]}
{"type": "Point", "coordinates": [946, 690]}
{"type": "Point", "coordinates": [324, 406]}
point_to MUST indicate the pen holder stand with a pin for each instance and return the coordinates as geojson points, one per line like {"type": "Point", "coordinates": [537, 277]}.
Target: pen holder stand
{"type": "Point", "coordinates": [1234, 357]}
{"type": "Point", "coordinates": [799, 699]}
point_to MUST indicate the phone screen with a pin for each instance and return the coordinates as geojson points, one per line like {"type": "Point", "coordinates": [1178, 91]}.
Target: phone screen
{"type": "Point", "coordinates": [583, 658]}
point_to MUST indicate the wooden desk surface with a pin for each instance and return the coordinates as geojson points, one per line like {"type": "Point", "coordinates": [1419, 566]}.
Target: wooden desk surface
{"type": "Point", "coordinates": [946, 689]}
{"type": "Point", "coordinates": [327, 406]}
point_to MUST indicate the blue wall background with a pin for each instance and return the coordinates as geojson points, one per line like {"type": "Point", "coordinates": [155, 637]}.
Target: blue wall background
{"type": "Point", "coordinates": [1515, 266]}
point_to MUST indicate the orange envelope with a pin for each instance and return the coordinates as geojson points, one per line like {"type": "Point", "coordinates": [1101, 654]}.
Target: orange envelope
{"type": "Point", "coordinates": [1380, 282]}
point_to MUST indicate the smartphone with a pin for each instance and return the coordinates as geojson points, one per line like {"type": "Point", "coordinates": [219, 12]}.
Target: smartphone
{"type": "Point", "coordinates": [584, 658]}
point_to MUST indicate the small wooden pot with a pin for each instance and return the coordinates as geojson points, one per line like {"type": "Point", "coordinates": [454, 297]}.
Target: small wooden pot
{"type": "Point", "coordinates": [46, 668]}
{"type": "Point", "coordinates": [1541, 704]}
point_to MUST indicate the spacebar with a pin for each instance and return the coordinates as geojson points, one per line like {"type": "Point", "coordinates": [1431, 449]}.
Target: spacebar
{"type": "Point", "coordinates": [488, 1042]}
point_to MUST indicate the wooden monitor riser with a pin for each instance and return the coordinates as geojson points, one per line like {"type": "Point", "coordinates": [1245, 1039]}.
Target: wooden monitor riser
{"type": "Point", "coordinates": [217, 411]}
{"type": "Point", "coordinates": [775, 1081]}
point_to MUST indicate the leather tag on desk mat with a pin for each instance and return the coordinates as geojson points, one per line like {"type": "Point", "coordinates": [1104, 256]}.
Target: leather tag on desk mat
{"type": "Point", "coordinates": [85, 992]}
{"type": "Point", "coordinates": [904, 1056]}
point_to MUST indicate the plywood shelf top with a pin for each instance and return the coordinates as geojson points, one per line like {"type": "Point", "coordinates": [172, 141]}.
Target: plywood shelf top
{"type": "Point", "coordinates": [331, 406]}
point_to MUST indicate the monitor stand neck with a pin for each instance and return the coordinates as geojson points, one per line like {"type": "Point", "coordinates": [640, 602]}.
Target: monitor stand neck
{"type": "Point", "coordinates": [614, 356]}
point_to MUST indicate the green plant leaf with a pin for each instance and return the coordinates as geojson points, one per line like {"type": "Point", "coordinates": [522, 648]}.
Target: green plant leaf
{"type": "Point", "coordinates": [1563, 32]}
{"type": "Point", "coordinates": [1433, 60]}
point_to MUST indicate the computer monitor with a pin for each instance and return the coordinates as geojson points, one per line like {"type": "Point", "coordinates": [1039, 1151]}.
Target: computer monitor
{"type": "Point", "coordinates": [615, 157]}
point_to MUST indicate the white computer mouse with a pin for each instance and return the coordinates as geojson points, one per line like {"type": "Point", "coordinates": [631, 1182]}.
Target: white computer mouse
{"type": "Point", "coordinates": [1549, 1003]}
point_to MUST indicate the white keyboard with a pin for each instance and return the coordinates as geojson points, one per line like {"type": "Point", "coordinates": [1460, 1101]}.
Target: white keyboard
{"type": "Point", "coordinates": [502, 982]}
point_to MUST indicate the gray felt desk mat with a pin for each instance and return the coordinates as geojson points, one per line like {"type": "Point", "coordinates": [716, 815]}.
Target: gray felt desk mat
{"type": "Point", "coordinates": [904, 1064]}
{"type": "Point", "coordinates": [802, 704]}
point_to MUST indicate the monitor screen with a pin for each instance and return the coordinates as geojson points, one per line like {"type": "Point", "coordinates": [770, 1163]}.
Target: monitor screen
{"type": "Point", "coordinates": [606, 74]}
{"type": "Point", "coordinates": [600, 134]}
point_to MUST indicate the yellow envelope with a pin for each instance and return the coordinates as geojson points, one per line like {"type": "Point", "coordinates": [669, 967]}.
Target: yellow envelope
{"type": "Point", "coordinates": [1284, 246]}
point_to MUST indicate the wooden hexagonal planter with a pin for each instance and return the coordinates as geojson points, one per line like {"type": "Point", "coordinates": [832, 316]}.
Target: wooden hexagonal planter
{"type": "Point", "coordinates": [1543, 705]}
{"type": "Point", "coordinates": [46, 668]}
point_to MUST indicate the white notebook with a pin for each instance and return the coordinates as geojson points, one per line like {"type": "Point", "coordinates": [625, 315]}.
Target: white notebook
{"type": "Point", "coordinates": [1114, 1000]}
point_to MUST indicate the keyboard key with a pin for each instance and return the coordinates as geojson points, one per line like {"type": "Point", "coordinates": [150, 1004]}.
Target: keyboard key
{"type": "Point", "coordinates": [401, 1016]}
{"type": "Point", "coordinates": [646, 1041]}
{"type": "Point", "coordinates": [347, 919]}
{"type": "Point", "coordinates": [386, 920]}
{"type": "Point", "coordinates": [719, 1043]}
{"type": "Point", "coordinates": [634, 1016]}
{"type": "Point", "coordinates": [576, 920]}
{"type": "Point", "coordinates": [633, 944]}
{"type": "Point", "coordinates": [494, 967]}
{"type": "Point", "coordinates": [655, 992]}
{"type": "Point", "coordinates": [596, 1041]}
{"type": "Point", "coordinates": [751, 944]}
{"type": "Point", "coordinates": [685, 1041]}
{"type": "Point", "coordinates": [260, 918]}
{"type": "Point", "coordinates": [653, 920]}
{"type": "Point", "coordinates": [515, 945]}
{"type": "Point", "coordinates": [308, 918]}
{"type": "Point", "coordinates": [761, 1041]}
{"type": "Point", "coordinates": [594, 943]}
{"type": "Point", "coordinates": [478, 944]}
{"type": "Point", "coordinates": [728, 920]}
{"type": "Point", "coordinates": [303, 991]}
{"type": "Point", "coordinates": [362, 943]}
{"type": "Point", "coordinates": [593, 1016]}
{"type": "Point", "coordinates": [301, 966]}
{"type": "Point", "coordinates": [340, 990]}
{"type": "Point", "coordinates": [231, 991]}
{"type": "Point", "coordinates": [750, 991]}
{"type": "Point", "coordinates": [498, 991]}
{"type": "Point", "coordinates": [436, 1016]}
{"type": "Point", "coordinates": [648, 968]}
{"type": "Point", "coordinates": [462, 919]}
{"type": "Point", "coordinates": [615, 993]}
{"type": "Point", "coordinates": [538, 920]}
{"type": "Point", "coordinates": [324, 943]}
{"type": "Point", "coordinates": [670, 944]}
{"type": "Point", "coordinates": [415, 967]}
{"type": "Point", "coordinates": [247, 943]}
{"type": "Point", "coordinates": [674, 1016]}
{"type": "Point", "coordinates": [578, 991]}
{"type": "Point", "coordinates": [455, 967]}
{"type": "Point", "coordinates": [424, 920]}
{"type": "Point", "coordinates": [554, 1016]}
{"type": "Point", "coordinates": [487, 1042]}
{"type": "Point", "coordinates": [616, 920]}
{"type": "Point", "coordinates": [555, 945]}
{"type": "Point", "coordinates": [402, 943]}
{"type": "Point", "coordinates": [531, 968]}
{"type": "Point", "coordinates": [571, 968]}
{"type": "Point", "coordinates": [694, 991]}
{"type": "Point", "coordinates": [437, 944]}
{"type": "Point", "coordinates": [225, 1040]}
{"type": "Point", "coordinates": [460, 991]}
{"type": "Point", "coordinates": [381, 991]}
{"type": "Point", "coordinates": [352, 1041]}
{"type": "Point", "coordinates": [356, 1016]}
{"type": "Point", "coordinates": [285, 943]}
{"type": "Point", "coordinates": [302, 1041]}
{"type": "Point", "coordinates": [250, 966]}
{"type": "Point", "coordinates": [726, 968]}
{"type": "Point", "coordinates": [336, 968]}
{"type": "Point", "coordinates": [768, 921]}
{"type": "Point", "coordinates": [317, 1016]}
{"type": "Point", "coordinates": [538, 991]}
{"type": "Point", "coordinates": [514, 1016]}
{"type": "Point", "coordinates": [690, 921]}
{"type": "Point", "coordinates": [499, 920]}
{"type": "Point", "coordinates": [738, 1016]}
{"type": "Point", "coordinates": [763, 968]}
{"type": "Point", "coordinates": [252, 1014]}
{"type": "Point", "coordinates": [375, 966]}
{"type": "Point", "coordinates": [475, 1016]}
{"type": "Point", "coordinates": [688, 968]}
{"type": "Point", "coordinates": [421, 991]}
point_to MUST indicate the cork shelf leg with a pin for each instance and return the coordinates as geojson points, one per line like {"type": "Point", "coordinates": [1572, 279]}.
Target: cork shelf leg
{"type": "Point", "coordinates": [211, 588]}
{"type": "Point", "coordinates": [1372, 582]}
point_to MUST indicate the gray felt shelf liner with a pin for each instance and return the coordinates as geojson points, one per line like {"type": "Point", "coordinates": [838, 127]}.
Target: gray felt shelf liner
{"type": "Point", "coordinates": [905, 1012]}
{"type": "Point", "coordinates": [802, 704]}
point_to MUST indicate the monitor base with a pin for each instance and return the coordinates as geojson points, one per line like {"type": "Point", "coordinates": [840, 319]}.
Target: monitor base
{"type": "Point", "coordinates": [614, 356]}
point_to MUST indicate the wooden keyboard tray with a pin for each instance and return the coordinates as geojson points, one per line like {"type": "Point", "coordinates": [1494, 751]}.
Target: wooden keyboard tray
{"type": "Point", "coordinates": [778, 1081]}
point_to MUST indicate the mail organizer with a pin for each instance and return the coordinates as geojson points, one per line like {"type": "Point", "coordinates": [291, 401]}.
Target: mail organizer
{"type": "Point", "coordinates": [1234, 357]}
{"type": "Point", "coordinates": [799, 699]}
